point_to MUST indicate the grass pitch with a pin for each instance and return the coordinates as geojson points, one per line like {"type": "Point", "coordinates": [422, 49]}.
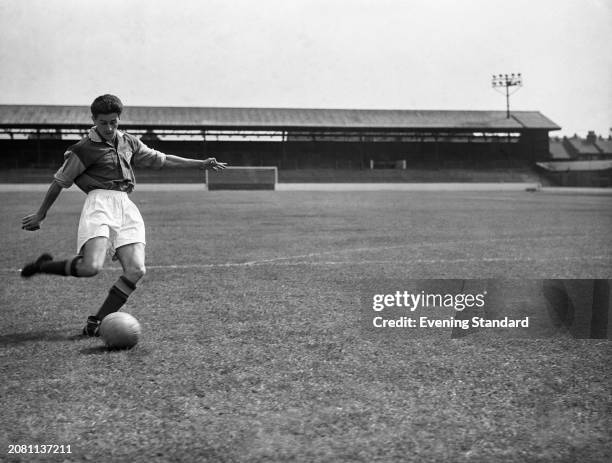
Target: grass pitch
{"type": "Point", "coordinates": [252, 348]}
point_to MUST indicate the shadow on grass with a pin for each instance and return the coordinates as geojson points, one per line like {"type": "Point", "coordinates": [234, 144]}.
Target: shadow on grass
{"type": "Point", "coordinates": [33, 336]}
{"type": "Point", "coordinates": [96, 350]}
{"type": "Point", "coordinates": [102, 349]}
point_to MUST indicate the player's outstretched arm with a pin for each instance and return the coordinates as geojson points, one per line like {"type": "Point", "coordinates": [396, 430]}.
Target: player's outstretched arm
{"type": "Point", "coordinates": [206, 164]}
{"type": "Point", "coordinates": [32, 222]}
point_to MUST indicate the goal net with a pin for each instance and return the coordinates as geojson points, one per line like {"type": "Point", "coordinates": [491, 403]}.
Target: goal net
{"type": "Point", "coordinates": [243, 178]}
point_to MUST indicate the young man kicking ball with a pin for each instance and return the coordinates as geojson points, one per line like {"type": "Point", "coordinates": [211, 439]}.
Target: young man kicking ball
{"type": "Point", "coordinates": [101, 165]}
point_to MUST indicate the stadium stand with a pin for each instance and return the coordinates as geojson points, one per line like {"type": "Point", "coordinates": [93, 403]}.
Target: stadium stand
{"type": "Point", "coordinates": [305, 145]}
{"type": "Point", "coordinates": [244, 178]}
{"type": "Point", "coordinates": [525, 174]}
{"type": "Point", "coordinates": [581, 173]}
{"type": "Point", "coordinates": [575, 161]}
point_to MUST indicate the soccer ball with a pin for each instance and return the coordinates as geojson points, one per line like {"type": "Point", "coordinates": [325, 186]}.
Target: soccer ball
{"type": "Point", "coordinates": [120, 330]}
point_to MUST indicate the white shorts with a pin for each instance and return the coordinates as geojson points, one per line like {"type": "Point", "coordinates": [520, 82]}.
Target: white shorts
{"type": "Point", "coordinates": [111, 214]}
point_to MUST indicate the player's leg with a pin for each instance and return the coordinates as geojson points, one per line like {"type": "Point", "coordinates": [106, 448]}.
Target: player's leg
{"type": "Point", "coordinates": [87, 264]}
{"type": "Point", "coordinates": [132, 258]}
{"type": "Point", "coordinates": [129, 244]}
{"type": "Point", "coordinates": [128, 240]}
{"type": "Point", "coordinates": [92, 240]}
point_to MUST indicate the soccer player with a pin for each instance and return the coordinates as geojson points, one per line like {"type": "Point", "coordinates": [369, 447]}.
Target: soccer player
{"type": "Point", "coordinates": [101, 165]}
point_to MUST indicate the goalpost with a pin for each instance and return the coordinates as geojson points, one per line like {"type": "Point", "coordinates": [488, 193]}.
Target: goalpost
{"type": "Point", "coordinates": [243, 178]}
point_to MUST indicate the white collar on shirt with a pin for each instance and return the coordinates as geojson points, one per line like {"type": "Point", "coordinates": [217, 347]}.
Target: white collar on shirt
{"type": "Point", "coordinates": [94, 136]}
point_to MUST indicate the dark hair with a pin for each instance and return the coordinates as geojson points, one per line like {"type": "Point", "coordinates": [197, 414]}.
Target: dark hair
{"type": "Point", "coordinates": [106, 104]}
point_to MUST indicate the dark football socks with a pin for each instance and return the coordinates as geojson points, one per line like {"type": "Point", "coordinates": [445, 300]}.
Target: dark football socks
{"type": "Point", "coordinates": [117, 296]}
{"type": "Point", "coordinates": [61, 267]}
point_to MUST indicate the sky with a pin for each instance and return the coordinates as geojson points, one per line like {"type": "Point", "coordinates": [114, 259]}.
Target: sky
{"type": "Point", "coordinates": [360, 54]}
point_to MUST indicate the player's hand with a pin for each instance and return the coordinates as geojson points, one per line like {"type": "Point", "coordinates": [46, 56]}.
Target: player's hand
{"type": "Point", "coordinates": [213, 164]}
{"type": "Point", "coordinates": [31, 222]}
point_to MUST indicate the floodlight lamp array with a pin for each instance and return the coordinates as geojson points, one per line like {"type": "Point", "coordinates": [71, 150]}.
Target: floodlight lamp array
{"type": "Point", "coordinates": [507, 80]}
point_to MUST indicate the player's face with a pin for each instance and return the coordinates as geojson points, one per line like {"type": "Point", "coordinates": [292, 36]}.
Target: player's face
{"type": "Point", "coordinates": [107, 125]}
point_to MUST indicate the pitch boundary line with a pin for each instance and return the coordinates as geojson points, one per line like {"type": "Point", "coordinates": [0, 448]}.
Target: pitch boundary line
{"type": "Point", "coordinates": [377, 262]}
{"type": "Point", "coordinates": [279, 260]}
{"type": "Point", "coordinates": [398, 246]}
{"type": "Point", "coordinates": [271, 262]}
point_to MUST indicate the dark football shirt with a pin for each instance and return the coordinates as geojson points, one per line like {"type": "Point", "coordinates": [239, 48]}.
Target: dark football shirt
{"type": "Point", "coordinates": [94, 163]}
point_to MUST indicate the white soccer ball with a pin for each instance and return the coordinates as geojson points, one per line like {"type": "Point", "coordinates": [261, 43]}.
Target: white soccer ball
{"type": "Point", "coordinates": [120, 330]}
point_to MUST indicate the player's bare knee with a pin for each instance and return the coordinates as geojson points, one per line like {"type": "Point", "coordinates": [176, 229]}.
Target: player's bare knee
{"type": "Point", "coordinates": [135, 273]}
{"type": "Point", "coordinates": [88, 269]}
